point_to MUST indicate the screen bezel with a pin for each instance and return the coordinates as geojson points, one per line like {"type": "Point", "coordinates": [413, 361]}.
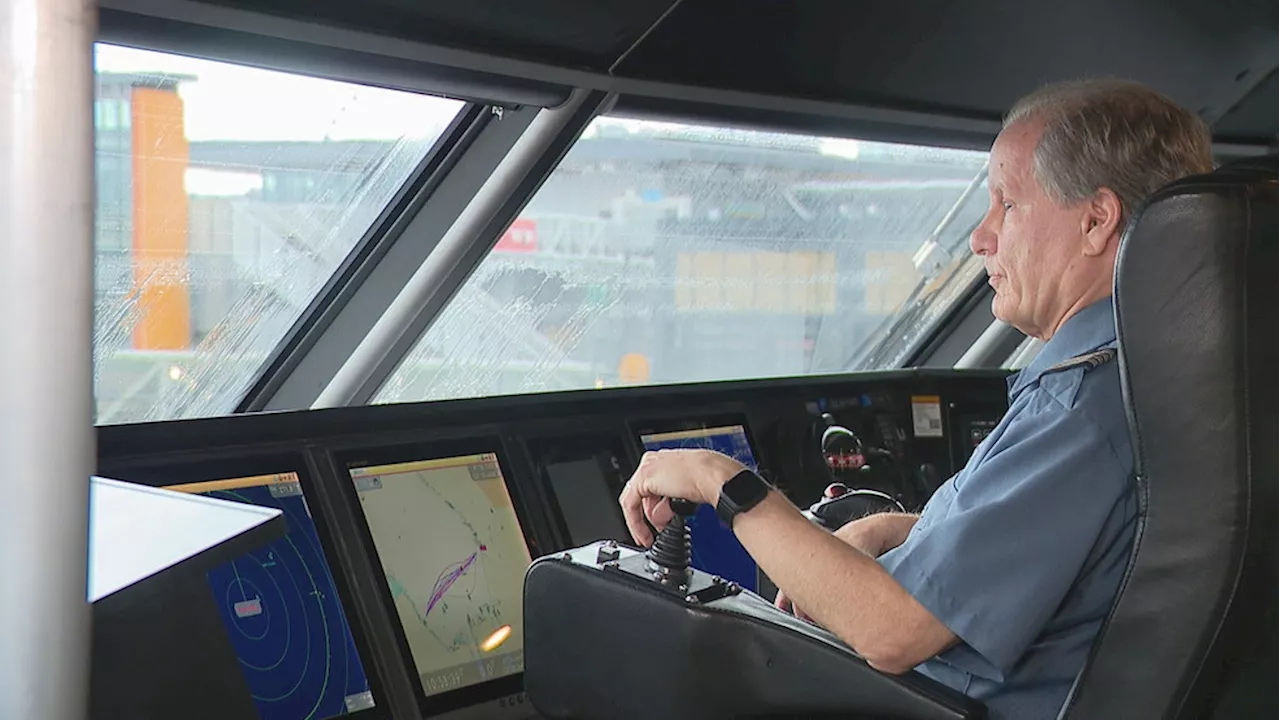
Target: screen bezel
{"type": "Point", "coordinates": [192, 468]}
{"type": "Point", "coordinates": [348, 458]}
{"type": "Point", "coordinates": [668, 424]}
{"type": "Point", "coordinates": [543, 449]}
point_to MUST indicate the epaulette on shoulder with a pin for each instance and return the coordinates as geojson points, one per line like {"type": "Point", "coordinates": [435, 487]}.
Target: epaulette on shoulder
{"type": "Point", "coordinates": [1088, 361]}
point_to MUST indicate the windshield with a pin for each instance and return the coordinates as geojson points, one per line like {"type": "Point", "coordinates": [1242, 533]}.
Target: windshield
{"type": "Point", "coordinates": [665, 253]}
{"type": "Point", "coordinates": [947, 272]}
{"type": "Point", "coordinates": [226, 197]}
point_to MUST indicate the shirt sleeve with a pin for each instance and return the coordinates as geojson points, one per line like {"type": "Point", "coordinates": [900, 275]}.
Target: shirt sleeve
{"type": "Point", "coordinates": [1007, 547]}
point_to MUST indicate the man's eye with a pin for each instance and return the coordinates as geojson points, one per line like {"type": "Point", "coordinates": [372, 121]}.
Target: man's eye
{"type": "Point", "coordinates": [1007, 205]}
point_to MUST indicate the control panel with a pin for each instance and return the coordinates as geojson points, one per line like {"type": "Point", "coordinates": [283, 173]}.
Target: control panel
{"type": "Point", "coordinates": [416, 533]}
{"type": "Point", "coordinates": [707, 647]}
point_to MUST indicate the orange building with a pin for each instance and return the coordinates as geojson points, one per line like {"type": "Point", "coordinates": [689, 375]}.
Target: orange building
{"type": "Point", "coordinates": [142, 226]}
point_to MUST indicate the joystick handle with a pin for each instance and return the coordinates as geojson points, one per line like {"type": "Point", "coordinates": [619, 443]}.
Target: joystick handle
{"type": "Point", "coordinates": [683, 508]}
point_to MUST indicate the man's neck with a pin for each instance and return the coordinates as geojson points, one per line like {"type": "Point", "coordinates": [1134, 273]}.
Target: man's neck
{"type": "Point", "coordinates": [1081, 302]}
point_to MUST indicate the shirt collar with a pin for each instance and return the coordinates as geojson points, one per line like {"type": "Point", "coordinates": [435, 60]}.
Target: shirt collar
{"type": "Point", "coordinates": [1092, 328]}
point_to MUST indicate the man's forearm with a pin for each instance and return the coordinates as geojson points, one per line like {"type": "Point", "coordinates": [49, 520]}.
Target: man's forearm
{"type": "Point", "coordinates": [841, 587]}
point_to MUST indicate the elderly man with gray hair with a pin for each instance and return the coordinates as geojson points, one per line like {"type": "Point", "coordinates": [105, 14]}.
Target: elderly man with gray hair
{"type": "Point", "coordinates": [999, 587]}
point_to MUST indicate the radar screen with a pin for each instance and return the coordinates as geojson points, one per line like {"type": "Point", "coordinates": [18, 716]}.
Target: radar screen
{"type": "Point", "coordinates": [282, 612]}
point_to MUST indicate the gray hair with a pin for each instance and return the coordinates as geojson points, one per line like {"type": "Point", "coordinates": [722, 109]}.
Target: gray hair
{"type": "Point", "coordinates": [1112, 134]}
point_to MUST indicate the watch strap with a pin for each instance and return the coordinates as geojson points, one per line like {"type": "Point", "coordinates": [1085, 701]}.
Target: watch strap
{"type": "Point", "coordinates": [741, 493]}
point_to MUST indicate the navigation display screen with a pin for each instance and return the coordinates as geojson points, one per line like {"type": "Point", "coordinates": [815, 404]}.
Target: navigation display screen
{"type": "Point", "coordinates": [715, 548]}
{"type": "Point", "coordinates": [455, 557]}
{"type": "Point", "coordinates": [282, 611]}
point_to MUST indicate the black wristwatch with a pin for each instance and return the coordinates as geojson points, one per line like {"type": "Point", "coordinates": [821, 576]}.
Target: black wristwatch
{"type": "Point", "coordinates": [743, 492]}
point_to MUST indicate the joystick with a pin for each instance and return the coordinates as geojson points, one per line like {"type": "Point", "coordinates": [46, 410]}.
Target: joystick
{"type": "Point", "coordinates": [669, 557]}
{"type": "Point", "coordinates": [668, 564]}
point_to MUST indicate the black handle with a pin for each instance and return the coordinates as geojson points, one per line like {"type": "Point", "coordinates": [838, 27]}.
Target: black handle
{"type": "Point", "coordinates": [683, 508]}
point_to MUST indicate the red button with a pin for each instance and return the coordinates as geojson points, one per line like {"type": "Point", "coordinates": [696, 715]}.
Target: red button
{"type": "Point", "coordinates": [835, 490]}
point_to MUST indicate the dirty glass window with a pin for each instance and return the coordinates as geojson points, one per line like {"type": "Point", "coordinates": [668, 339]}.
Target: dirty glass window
{"type": "Point", "coordinates": [667, 253]}
{"type": "Point", "coordinates": [226, 197]}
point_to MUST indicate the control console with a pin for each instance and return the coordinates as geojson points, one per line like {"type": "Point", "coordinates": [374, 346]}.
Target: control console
{"type": "Point", "coordinates": [612, 631]}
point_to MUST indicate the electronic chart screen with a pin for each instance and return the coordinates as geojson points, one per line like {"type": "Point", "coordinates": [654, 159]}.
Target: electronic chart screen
{"type": "Point", "coordinates": [282, 612]}
{"type": "Point", "coordinates": [455, 558]}
{"type": "Point", "coordinates": [715, 548]}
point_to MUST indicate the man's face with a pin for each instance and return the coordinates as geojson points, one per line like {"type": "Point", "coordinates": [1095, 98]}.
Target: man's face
{"type": "Point", "coordinates": [1029, 242]}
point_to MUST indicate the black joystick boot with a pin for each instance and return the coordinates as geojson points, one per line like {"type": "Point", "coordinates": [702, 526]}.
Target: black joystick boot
{"type": "Point", "coordinates": [669, 557]}
{"type": "Point", "coordinates": [668, 563]}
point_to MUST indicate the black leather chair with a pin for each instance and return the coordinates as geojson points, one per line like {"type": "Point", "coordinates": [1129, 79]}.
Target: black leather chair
{"type": "Point", "coordinates": [1193, 632]}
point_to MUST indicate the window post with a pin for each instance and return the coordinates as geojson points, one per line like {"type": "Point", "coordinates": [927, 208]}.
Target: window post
{"type": "Point", "coordinates": [46, 326]}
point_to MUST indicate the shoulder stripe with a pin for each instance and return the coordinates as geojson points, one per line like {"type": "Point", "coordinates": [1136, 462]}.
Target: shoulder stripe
{"type": "Point", "coordinates": [1088, 361]}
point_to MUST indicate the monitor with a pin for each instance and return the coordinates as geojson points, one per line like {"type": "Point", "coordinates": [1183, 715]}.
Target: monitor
{"type": "Point", "coordinates": [715, 548]}
{"type": "Point", "coordinates": [282, 612]}
{"type": "Point", "coordinates": [585, 473]}
{"type": "Point", "coordinates": [454, 554]}
{"type": "Point", "coordinates": [588, 507]}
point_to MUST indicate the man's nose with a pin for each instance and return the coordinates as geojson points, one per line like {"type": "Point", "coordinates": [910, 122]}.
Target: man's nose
{"type": "Point", "coordinates": [982, 241]}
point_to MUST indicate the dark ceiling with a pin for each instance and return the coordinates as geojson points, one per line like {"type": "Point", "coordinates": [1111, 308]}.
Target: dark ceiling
{"type": "Point", "coordinates": [587, 34]}
{"type": "Point", "coordinates": [943, 70]}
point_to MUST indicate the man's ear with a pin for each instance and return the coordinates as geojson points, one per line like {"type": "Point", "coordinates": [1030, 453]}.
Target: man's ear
{"type": "Point", "coordinates": [1102, 221]}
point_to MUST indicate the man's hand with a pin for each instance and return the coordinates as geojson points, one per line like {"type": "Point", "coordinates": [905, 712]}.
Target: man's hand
{"type": "Point", "coordinates": [873, 535]}
{"type": "Point", "coordinates": [694, 475]}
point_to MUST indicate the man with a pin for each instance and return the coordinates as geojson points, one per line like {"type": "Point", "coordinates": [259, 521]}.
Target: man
{"type": "Point", "coordinates": [999, 587]}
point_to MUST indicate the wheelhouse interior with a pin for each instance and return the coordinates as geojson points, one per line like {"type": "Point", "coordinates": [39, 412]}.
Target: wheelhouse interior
{"type": "Point", "coordinates": [389, 298]}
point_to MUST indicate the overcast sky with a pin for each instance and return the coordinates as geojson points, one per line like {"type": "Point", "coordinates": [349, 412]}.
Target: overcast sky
{"type": "Point", "coordinates": [225, 101]}
{"type": "Point", "coordinates": [233, 102]}
{"type": "Point", "coordinates": [230, 102]}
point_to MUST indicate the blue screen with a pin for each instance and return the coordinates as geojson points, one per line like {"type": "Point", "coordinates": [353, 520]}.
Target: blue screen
{"type": "Point", "coordinates": [282, 612]}
{"type": "Point", "coordinates": [715, 548]}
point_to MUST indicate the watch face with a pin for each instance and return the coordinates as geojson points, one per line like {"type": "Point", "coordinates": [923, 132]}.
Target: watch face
{"type": "Point", "coordinates": [745, 489]}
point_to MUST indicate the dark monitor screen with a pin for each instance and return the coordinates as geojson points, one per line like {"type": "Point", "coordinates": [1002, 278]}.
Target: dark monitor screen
{"type": "Point", "coordinates": [585, 473]}
{"type": "Point", "coordinates": [282, 611]}
{"type": "Point", "coordinates": [454, 553]}
{"type": "Point", "coordinates": [587, 503]}
{"type": "Point", "coordinates": [715, 548]}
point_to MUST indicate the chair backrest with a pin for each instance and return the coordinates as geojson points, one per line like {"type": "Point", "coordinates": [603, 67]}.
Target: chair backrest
{"type": "Point", "coordinates": [1193, 631]}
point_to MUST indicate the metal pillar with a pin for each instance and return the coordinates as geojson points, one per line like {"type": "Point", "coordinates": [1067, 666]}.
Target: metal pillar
{"type": "Point", "coordinates": [980, 353]}
{"type": "Point", "coordinates": [422, 298]}
{"type": "Point", "coordinates": [46, 327]}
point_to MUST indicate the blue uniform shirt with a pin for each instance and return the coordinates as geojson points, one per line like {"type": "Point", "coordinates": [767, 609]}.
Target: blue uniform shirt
{"type": "Point", "coordinates": [1021, 553]}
